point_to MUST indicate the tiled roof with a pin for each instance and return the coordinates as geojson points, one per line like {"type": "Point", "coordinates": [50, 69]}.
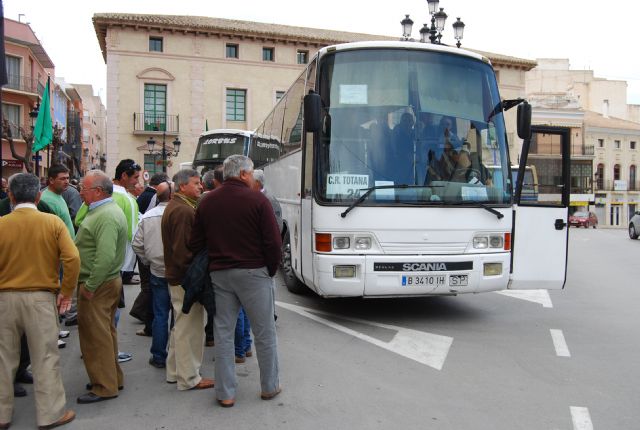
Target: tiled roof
{"type": "Point", "coordinates": [594, 119]}
{"type": "Point", "coordinates": [207, 25]}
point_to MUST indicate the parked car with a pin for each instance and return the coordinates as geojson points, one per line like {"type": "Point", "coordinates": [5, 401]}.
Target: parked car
{"type": "Point", "coordinates": [634, 226]}
{"type": "Point", "coordinates": [585, 219]}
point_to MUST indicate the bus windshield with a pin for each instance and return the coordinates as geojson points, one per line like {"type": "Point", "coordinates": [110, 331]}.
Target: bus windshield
{"type": "Point", "coordinates": [215, 146]}
{"type": "Point", "coordinates": [421, 125]}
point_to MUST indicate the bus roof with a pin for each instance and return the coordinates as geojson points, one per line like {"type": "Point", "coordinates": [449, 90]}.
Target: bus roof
{"type": "Point", "coordinates": [404, 45]}
{"type": "Point", "coordinates": [227, 131]}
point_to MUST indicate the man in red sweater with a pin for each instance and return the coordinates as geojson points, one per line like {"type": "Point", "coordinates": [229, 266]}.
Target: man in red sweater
{"type": "Point", "coordinates": [237, 226]}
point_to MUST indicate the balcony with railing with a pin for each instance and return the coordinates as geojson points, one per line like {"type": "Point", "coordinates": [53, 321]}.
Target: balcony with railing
{"type": "Point", "coordinates": [615, 185]}
{"type": "Point", "coordinates": [150, 123]}
{"type": "Point", "coordinates": [25, 84]}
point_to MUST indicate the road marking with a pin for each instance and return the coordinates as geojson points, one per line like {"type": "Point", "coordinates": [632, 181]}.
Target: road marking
{"type": "Point", "coordinates": [562, 350]}
{"type": "Point", "coordinates": [425, 348]}
{"type": "Point", "coordinates": [581, 418]}
{"type": "Point", "coordinates": [537, 296]}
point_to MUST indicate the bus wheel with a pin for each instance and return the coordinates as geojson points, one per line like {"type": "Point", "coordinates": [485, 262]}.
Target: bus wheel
{"type": "Point", "coordinates": [291, 281]}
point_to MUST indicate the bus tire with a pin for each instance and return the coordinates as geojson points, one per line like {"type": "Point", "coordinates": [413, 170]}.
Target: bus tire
{"type": "Point", "coordinates": [291, 281]}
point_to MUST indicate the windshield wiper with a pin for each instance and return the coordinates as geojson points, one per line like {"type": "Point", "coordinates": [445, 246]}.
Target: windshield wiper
{"type": "Point", "coordinates": [484, 206]}
{"type": "Point", "coordinates": [368, 191]}
{"type": "Point", "coordinates": [500, 215]}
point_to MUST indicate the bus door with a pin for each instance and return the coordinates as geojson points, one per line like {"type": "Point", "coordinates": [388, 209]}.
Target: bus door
{"type": "Point", "coordinates": [540, 231]}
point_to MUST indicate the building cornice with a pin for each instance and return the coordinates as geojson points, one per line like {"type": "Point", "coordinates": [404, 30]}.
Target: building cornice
{"type": "Point", "coordinates": [250, 30]}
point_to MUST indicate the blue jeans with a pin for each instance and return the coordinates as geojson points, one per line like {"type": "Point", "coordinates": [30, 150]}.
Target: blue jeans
{"type": "Point", "coordinates": [160, 326]}
{"type": "Point", "coordinates": [242, 339]}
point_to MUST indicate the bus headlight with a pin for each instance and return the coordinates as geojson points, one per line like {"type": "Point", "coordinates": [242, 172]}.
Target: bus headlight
{"type": "Point", "coordinates": [481, 242]}
{"type": "Point", "coordinates": [344, 271]}
{"type": "Point", "coordinates": [492, 269]}
{"type": "Point", "coordinates": [362, 243]}
{"type": "Point", "coordinates": [492, 241]}
{"type": "Point", "coordinates": [341, 242]}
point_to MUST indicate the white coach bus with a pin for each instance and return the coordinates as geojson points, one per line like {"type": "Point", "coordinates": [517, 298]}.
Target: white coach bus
{"type": "Point", "coordinates": [381, 169]}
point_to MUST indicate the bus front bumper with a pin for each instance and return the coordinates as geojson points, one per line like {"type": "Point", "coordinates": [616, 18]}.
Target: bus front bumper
{"type": "Point", "coordinates": [405, 275]}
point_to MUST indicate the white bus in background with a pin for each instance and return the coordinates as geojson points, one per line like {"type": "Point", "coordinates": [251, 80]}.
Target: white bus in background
{"type": "Point", "coordinates": [381, 174]}
{"type": "Point", "coordinates": [216, 145]}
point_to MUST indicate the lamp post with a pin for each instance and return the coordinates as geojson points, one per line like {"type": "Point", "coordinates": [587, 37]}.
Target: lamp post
{"type": "Point", "coordinates": [167, 151]}
{"type": "Point", "coordinates": [33, 115]}
{"type": "Point", "coordinates": [433, 33]}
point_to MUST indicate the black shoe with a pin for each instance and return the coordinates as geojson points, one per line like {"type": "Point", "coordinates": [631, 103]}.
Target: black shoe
{"type": "Point", "coordinates": [24, 377]}
{"type": "Point", "coordinates": [157, 364]}
{"type": "Point", "coordinates": [18, 390]}
{"type": "Point", "coordinates": [71, 321]}
{"type": "Point", "coordinates": [89, 387]}
{"type": "Point", "coordinates": [92, 398]}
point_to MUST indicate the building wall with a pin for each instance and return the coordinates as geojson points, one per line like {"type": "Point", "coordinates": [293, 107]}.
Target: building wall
{"type": "Point", "coordinates": [197, 75]}
{"type": "Point", "coordinates": [24, 90]}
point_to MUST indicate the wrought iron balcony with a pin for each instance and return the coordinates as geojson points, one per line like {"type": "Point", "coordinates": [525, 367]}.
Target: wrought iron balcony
{"type": "Point", "coordinates": [148, 122]}
{"type": "Point", "coordinates": [25, 84]}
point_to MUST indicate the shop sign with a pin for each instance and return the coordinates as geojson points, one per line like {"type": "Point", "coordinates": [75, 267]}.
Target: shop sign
{"type": "Point", "coordinates": [15, 164]}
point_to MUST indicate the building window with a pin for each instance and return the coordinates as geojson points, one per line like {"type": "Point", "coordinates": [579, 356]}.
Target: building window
{"type": "Point", "coordinates": [616, 172]}
{"type": "Point", "coordinates": [600, 143]}
{"type": "Point", "coordinates": [13, 72]}
{"type": "Point", "coordinates": [632, 144]}
{"type": "Point", "coordinates": [236, 104]}
{"type": "Point", "coordinates": [632, 178]}
{"type": "Point", "coordinates": [600, 177]}
{"type": "Point", "coordinates": [268, 54]}
{"type": "Point", "coordinates": [155, 107]}
{"type": "Point", "coordinates": [279, 95]}
{"type": "Point", "coordinates": [12, 114]}
{"type": "Point", "coordinates": [616, 144]}
{"type": "Point", "coordinates": [231, 50]}
{"type": "Point", "coordinates": [155, 44]}
{"type": "Point", "coordinates": [303, 57]}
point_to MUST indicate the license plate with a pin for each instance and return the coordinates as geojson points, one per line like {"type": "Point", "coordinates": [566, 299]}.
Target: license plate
{"type": "Point", "coordinates": [458, 280]}
{"type": "Point", "coordinates": [423, 280]}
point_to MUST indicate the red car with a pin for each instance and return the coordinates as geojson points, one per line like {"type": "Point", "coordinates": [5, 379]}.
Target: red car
{"type": "Point", "coordinates": [583, 219]}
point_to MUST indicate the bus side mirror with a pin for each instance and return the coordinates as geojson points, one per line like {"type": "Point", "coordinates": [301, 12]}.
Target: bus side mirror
{"type": "Point", "coordinates": [524, 120]}
{"type": "Point", "coordinates": [312, 112]}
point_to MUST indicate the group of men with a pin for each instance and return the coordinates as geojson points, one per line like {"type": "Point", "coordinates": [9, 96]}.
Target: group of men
{"type": "Point", "coordinates": [234, 229]}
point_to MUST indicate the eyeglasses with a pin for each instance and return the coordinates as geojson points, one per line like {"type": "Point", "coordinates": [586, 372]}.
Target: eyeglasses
{"type": "Point", "coordinates": [90, 188]}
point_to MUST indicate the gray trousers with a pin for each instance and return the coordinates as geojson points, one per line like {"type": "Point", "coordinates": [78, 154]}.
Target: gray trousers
{"type": "Point", "coordinates": [252, 289]}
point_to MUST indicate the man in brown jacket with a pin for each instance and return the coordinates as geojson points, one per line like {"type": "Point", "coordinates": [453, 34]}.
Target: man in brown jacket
{"type": "Point", "coordinates": [186, 342]}
{"type": "Point", "coordinates": [33, 247]}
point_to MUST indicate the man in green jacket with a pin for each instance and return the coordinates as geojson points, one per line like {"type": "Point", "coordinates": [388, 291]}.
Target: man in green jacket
{"type": "Point", "coordinates": [58, 177]}
{"type": "Point", "coordinates": [101, 242]}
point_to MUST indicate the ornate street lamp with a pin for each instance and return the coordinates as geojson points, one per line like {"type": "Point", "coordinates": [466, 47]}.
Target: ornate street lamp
{"type": "Point", "coordinates": [33, 115]}
{"type": "Point", "coordinates": [434, 32]}
{"type": "Point", "coordinates": [167, 151]}
{"type": "Point", "coordinates": [407, 25]}
{"type": "Point", "coordinates": [458, 31]}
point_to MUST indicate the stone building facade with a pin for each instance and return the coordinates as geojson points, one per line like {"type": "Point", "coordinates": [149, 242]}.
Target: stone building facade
{"type": "Point", "coordinates": [168, 76]}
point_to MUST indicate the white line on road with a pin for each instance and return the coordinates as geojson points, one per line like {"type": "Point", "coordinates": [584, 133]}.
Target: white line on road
{"type": "Point", "coordinates": [581, 418]}
{"type": "Point", "coordinates": [537, 296]}
{"type": "Point", "coordinates": [562, 350]}
{"type": "Point", "coordinates": [425, 348]}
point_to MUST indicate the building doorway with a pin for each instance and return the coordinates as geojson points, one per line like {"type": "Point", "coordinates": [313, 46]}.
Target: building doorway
{"type": "Point", "coordinates": [614, 215]}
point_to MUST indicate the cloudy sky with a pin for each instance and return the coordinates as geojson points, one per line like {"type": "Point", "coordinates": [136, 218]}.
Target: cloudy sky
{"type": "Point", "coordinates": [592, 35]}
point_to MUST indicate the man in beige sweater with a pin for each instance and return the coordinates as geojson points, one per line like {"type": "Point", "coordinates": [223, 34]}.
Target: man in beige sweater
{"type": "Point", "coordinates": [33, 247]}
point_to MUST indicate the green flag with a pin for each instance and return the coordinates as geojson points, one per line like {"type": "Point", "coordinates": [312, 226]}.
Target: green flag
{"type": "Point", "coordinates": [43, 130]}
